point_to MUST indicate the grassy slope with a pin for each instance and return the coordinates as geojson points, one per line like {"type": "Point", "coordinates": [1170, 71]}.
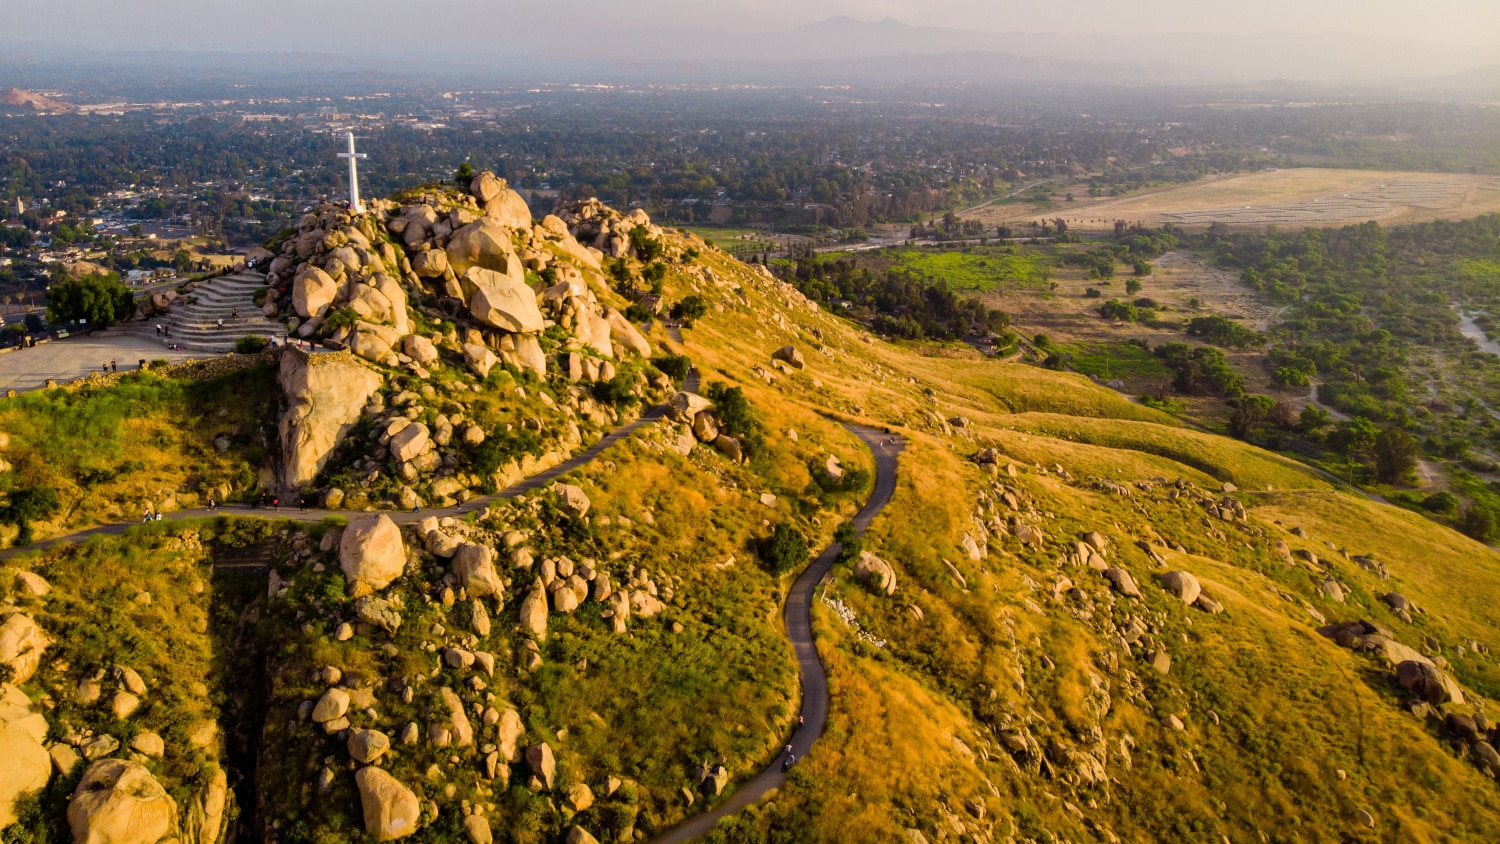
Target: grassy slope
{"type": "Point", "coordinates": [1293, 709]}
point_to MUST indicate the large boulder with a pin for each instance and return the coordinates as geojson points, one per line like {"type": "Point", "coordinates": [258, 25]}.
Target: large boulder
{"type": "Point", "coordinates": [410, 442]}
{"type": "Point", "coordinates": [27, 765]}
{"type": "Point", "coordinates": [625, 334]}
{"type": "Point", "coordinates": [371, 554]}
{"type": "Point", "coordinates": [509, 209]}
{"type": "Point", "coordinates": [390, 809]}
{"type": "Point", "coordinates": [789, 356]}
{"type": "Point", "coordinates": [474, 566]}
{"type": "Point", "coordinates": [479, 359]}
{"type": "Point", "coordinates": [510, 731]}
{"type": "Point", "coordinates": [484, 244]}
{"type": "Point", "coordinates": [325, 395]}
{"type": "Point", "coordinates": [486, 187]}
{"type": "Point", "coordinates": [373, 342]}
{"type": "Point", "coordinates": [22, 643]}
{"type": "Point", "coordinates": [875, 572]}
{"type": "Point", "coordinates": [430, 264]}
{"type": "Point", "coordinates": [204, 817]}
{"type": "Point", "coordinates": [685, 405]}
{"type": "Point", "coordinates": [313, 291]}
{"type": "Point", "coordinates": [542, 764]}
{"type": "Point", "coordinates": [534, 612]}
{"type": "Point", "coordinates": [573, 500]}
{"type": "Point", "coordinates": [394, 293]}
{"type": "Point", "coordinates": [119, 802]}
{"type": "Point", "coordinates": [458, 722]}
{"type": "Point", "coordinates": [1182, 584]}
{"type": "Point", "coordinates": [368, 745]}
{"type": "Point", "coordinates": [502, 302]}
{"type": "Point", "coordinates": [1428, 682]}
{"type": "Point", "coordinates": [1122, 581]}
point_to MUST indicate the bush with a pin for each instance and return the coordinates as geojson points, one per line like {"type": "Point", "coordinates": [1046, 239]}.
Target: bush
{"type": "Point", "coordinates": [251, 344]}
{"type": "Point", "coordinates": [849, 540]}
{"type": "Point", "coordinates": [784, 550]}
{"type": "Point", "coordinates": [675, 367]}
{"type": "Point", "coordinates": [26, 505]}
{"type": "Point", "coordinates": [638, 313]}
{"type": "Point", "coordinates": [1117, 310]}
{"type": "Point", "coordinates": [690, 308]}
{"type": "Point", "coordinates": [1445, 503]}
{"type": "Point", "coordinates": [732, 410]}
{"type": "Point", "coordinates": [618, 391]}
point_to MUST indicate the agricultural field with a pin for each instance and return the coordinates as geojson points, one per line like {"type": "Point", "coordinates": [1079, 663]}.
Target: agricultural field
{"type": "Point", "coordinates": [1287, 198]}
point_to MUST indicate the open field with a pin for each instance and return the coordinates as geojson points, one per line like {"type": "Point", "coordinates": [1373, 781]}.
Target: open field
{"type": "Point", "coordinates": [1288, 198]}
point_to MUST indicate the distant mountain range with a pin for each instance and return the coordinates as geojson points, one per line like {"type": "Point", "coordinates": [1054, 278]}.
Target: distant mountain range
{"type": "Point", "coordinates": [1184, 57]}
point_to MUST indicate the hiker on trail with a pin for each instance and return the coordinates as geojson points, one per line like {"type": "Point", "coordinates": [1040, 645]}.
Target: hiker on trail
{"type": "Point", "coordinates": [790, 759]}
{"type": "Point", "coordinates": [789, 750]}
{"type": "Point", "coordinates": [221, 322]}
{"type": "Point", "coordinates": [114, 367]}
{"type": "Point", "coordinates": [276, 503]}
{"type": "Point", "coordinates": [146, 516]}
{"type": "Point", "coordinates": [234, 314]}
{"type": "Point", "coordinates": [158, 517]}
{"type": "Point", "coordinates": [212, 504]}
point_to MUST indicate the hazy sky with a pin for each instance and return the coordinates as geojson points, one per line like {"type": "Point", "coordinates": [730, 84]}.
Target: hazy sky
{"type": "Point", "coordinates": [493, 24]}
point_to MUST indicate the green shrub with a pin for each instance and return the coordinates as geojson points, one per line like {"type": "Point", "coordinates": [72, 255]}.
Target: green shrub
{"type": "Point", "coordinates": [1443, 502]}
{"type": "Point", "coordinates": [784, 550]}
{"type": "Point", "coordinates": [675, 367]}
{"type": "Point", "coordinates": [732, 410]}
{"type": "Point", "coordinates": [638, 313]}
{"type": "Point", "coordinates": [251, 344]}
{"type": "Point", "coordinates": [849, 540]}
{"type": "Point", "coordinates": [691, 308]}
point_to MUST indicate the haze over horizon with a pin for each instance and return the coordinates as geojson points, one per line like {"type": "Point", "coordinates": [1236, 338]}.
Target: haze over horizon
{"type": "Point", "coordinates": [1160, 40]}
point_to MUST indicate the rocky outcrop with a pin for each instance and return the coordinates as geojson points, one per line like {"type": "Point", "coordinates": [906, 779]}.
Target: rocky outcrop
{"type": "Point", "coordinates": [1182, 584]}
{"type": "Point", "coordinates": [22, 643]}
{"type": "Point", "coordinates": [325, 395]}
{"type": "Point", "coordinates": [500, 301]}
{"type": "Point", "coordinates": [27, 765]}
{"type": "Point", "coordinates": [875, 572]}
{"type": "Point", "coordinates": [203, 820]}
{"type": "Point", "coordinates": [119, 802]}
{"type": "Point", "coordinates": [371, 554]}
{"type": "Point", "coordinates": [474, 566]}
{"type": "Point", "coordinates": [390, 809]}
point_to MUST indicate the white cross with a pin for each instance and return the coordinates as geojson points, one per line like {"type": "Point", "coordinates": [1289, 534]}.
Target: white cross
{"type": "Point", "coordinates": [354, 204]}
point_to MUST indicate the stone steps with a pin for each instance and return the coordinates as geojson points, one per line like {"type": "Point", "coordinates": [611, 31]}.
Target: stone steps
{"type": "Point", "coordinates": [193, 320]}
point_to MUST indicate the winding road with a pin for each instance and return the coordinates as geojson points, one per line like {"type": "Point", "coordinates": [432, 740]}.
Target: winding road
{"type": "Point", "coordinates": [814, 712]}
{"type": "Point", "coordinates": [535, 482]}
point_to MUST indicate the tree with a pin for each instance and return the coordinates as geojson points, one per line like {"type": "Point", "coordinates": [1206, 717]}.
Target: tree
{"type": "Point", "coordinates": [1479, 523]}
{"type": "Point", "coordinates": [100, 299]}
{"type": "Point", "coordinates": [1395, 455]}
{"type": "Point", "coordinates": [1313, 419]}
{"type": "Point", "coordinates": [1354, 437]}
{"type": "Point", "coordinates": [1132, 286]}
{"type": "Point", "coordinates": [182, 260]}
{"type": "Point", "coordinates": [136, 230]}
{"type": "Point", "coordinates": [464, 175]}
{"type": "Point", "coordinates": [1252, 412]}
{"type": "Point", "coordinates": [784, 550]}
{"type": "Point", "coordinates": [26, 505]}
{"type": "Point", "coordinates": [1117, 310]}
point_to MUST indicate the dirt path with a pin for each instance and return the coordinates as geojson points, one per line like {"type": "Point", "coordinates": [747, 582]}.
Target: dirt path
{"type": "Point", "coordinates": [814, 711]}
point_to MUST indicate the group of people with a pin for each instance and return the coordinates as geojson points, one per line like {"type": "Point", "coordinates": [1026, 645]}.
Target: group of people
{"type": "Point", "coordinates": [109, 366]}
{"type": "Point", "coordinates": [791, 758]}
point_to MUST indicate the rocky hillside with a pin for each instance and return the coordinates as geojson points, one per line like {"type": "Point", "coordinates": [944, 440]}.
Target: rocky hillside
{"type": "Point", "coordinates": [1075, 621]}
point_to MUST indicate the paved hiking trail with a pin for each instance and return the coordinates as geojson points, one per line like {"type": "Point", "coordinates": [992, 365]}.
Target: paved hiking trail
{"type": "Point", "coordinates": [814, 709]}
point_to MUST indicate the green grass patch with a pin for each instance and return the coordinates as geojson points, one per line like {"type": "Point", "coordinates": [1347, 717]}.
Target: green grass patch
{"type": "Point", "coordinates": [1107, 361]}
{"type": "Point", "coordinates": [980, 270]}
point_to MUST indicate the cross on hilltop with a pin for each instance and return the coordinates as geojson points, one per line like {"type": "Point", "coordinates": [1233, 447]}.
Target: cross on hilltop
{"type": "Point", "coordinates": [354, 204]}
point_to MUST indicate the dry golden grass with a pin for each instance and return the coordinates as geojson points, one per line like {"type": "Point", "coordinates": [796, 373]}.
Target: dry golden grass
{"type": "Point", "coordinates": [1295, 197]}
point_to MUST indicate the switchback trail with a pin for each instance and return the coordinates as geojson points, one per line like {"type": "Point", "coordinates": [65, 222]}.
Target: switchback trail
{"type": "Point", "coordinates": [885, 447]}
{"type": "Point", "coordinates": [521, 487]}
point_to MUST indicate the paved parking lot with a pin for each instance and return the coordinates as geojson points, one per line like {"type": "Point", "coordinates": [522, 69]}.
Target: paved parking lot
{"type": "Point", "coordinates": [75, 357]}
